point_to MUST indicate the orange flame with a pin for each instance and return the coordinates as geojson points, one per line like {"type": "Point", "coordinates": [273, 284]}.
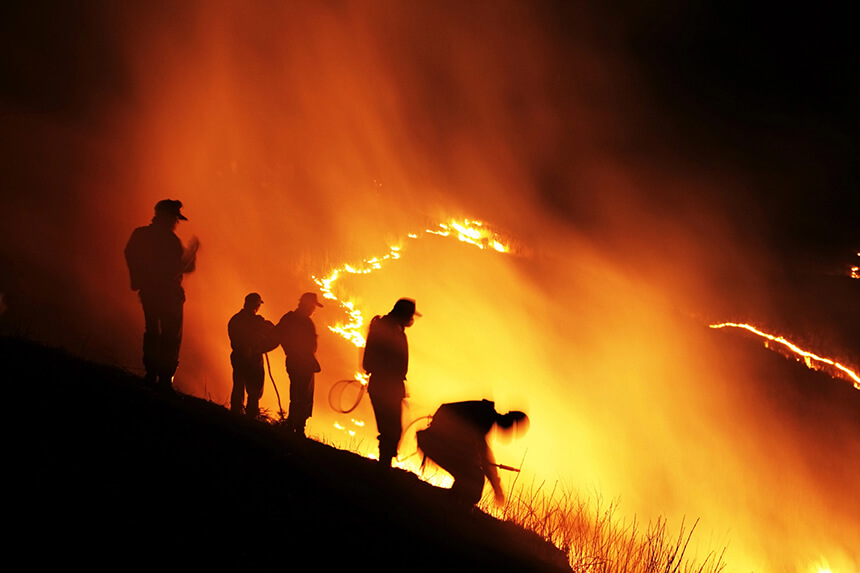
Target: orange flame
{"type": "Point", "coordinates": [352, 330]}
{"type": "Point", "coordinates": [469, 231]}
{"type": "Point", "coordinates": [808, 358]}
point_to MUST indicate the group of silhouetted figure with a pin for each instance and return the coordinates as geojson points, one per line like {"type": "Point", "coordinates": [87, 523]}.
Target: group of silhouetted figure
{"type": "Point", "coordinates": [251, 336]}
{"type": "Point", "coordinates": [456, 438]}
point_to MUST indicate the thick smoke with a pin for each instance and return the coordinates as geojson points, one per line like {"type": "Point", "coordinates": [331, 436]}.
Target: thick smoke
{"type": "Point", "coordinates": [304, 136]}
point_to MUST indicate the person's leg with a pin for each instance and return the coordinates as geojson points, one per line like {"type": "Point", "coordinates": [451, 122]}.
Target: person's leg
{"type": "Point", "coordinates": [171, 338]}
{"type": "Point", "coordinates": [151, 337]}
{"type": "Point", "coordinates": [387, 408]}
{"type": "Point", "coordinates": [254, 378]}
{"type": "Point", "coordinates": [301, 399]}
{"type": "Point", "coordinates": [459, 460]}
{"type": "Point", "coordinates": [237, 396]}
{"type": "Point", "coordinates": [468, 484]}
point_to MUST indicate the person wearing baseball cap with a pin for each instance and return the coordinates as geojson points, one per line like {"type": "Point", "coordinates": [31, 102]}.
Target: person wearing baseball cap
{"type": "Point", "coordinates": [386, 359]}
{"type": "Point", "coordinates": [298, 337]}
{"type": "Point", "coordinates": [157, 261]}
{"type": "Point", "coordinates": [170, 208]}
{"type": "Point", "coordinates": [248, 332]}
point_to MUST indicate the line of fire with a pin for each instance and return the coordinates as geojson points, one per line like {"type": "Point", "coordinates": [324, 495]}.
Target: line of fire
{"type": "Point", "coordinates": [810, 359]}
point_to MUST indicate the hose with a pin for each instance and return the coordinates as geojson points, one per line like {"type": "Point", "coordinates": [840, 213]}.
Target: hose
{"type": "Point", "coordinates": [403, 435]}
{"type": "Point", "coordinates": [272, 378]}
{"type": "Point", "coordinates": [341, 386]}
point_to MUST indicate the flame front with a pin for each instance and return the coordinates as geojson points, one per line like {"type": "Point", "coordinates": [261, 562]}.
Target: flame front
{"type": "Point", "coordinates": [469, 231]}
{"type": "Point", "coordinates": [811, 360]}
{"type": "Point", "coordinates": [352, 330]}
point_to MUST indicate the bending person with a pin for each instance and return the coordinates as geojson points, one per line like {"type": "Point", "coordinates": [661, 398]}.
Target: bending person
{"type": "Point", "coordinates": [457, 442]}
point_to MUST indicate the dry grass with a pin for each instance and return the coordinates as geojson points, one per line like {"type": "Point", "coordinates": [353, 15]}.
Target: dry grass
{"type": "Point", "coordinates": [595, 540]}
{"type": "Point", "coordinates": [587, 529]}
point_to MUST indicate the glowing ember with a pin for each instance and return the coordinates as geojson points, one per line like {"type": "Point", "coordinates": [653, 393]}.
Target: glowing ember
{"type": "Point", "coordinates": [811, 360]}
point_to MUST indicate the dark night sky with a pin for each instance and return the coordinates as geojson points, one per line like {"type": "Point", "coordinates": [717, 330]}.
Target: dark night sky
{"type": "Point", "coordinates": [781, 88]}
{"type": "Point", "coordinates": [770, 89]}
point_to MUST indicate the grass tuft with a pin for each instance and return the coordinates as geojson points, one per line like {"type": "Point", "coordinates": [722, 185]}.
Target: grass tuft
{"type": "Point", "coordinates": [595, 540]}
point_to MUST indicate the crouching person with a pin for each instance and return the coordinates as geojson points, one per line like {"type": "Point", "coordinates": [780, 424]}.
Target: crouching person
{"type": "Point", "coordinates": [456, 441]}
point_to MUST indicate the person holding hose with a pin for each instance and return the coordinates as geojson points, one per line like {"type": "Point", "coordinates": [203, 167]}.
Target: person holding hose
{"type": "Point", "coordinates": [249, 339]}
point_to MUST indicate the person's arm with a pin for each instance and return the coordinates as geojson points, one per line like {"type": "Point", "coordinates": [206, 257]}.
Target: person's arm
{"type": "Point", "coordinates": [370, 356]}
{"type": "Point", "coordinates": [488, 464]}
{"type": "Point", "coordinates": [313, 332]}
{"type": "Point", "coordinates": [132, 259]}
{"type": "Point", "coordinates": [189, 256]}
{"type": "Point", "coordinates": [268, 337]}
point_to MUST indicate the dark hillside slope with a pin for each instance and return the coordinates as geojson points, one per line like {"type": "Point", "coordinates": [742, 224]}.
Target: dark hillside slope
{"type": "Point", "coordinates": [106, 472]}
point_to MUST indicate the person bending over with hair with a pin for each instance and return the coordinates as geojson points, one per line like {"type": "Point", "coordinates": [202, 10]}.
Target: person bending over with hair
{"type": "Point", "coordinates": [456, 441]}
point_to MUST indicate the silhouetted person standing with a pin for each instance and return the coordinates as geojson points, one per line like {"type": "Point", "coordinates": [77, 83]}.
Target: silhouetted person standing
{"type": "Point", "coordinates": [298, 337]}
{"type": "Point", "coordinates": [249, 338]}
{"type": "Point", "coordinates": [386, 359]}
{"type": "Point", "coordinates": [156, 262]}
{"type": "Point", "coordinates": [457, 442]}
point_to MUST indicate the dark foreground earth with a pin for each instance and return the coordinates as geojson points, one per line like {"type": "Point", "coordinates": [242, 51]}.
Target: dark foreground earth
{"type": "Point", "coordinates": [105, 472]}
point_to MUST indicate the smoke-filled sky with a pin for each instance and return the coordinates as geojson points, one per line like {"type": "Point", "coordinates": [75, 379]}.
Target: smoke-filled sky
{"type": "Point", "coordinates": [654, 168]}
